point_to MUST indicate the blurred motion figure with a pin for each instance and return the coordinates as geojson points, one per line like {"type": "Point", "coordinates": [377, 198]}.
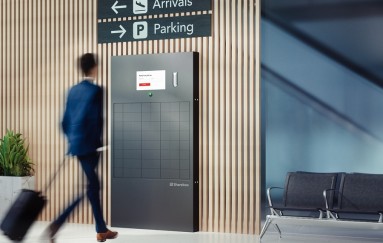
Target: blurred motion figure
{"type": "Point", "coordinates": [82, 124]}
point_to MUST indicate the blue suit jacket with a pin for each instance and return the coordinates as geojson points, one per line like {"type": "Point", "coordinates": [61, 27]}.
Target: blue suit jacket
{"type": "Point", "coordinates": [83, 122]}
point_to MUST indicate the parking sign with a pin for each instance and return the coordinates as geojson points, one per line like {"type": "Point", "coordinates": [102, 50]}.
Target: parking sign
{"type": "Point", "coordinates": [140, 30]}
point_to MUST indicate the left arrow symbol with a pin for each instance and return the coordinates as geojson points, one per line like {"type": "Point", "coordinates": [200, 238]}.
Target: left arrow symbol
{"type": "Point", "coordinates": [122, 31]}
{"type": "Point", "coordinates": [115, 7]}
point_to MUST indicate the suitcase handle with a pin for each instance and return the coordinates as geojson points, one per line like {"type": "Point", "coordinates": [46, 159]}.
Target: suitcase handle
{"type": "Point", "coordinates": [99, 150]}
{"type": "Point", "coordinates": [55, 175]}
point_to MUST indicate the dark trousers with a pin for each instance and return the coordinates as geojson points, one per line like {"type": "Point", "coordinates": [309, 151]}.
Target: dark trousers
{"type": "Point", "coordinates": [88, 163]}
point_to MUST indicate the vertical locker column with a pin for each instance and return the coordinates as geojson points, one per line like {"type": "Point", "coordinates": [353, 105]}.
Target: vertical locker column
{"type": "Point", "coordinates": [151, 140]}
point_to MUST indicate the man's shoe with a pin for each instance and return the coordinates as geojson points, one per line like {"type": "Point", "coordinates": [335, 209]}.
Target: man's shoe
{"type": "Point", "coordinates": [51, 232]}
{"type": "Point", "coordinates": [101, 237]}
{"type": "Point", "coordinates": [53, 228]}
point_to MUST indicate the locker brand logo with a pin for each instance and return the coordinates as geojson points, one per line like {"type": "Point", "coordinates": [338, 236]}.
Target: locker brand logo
{"type": "Point", "coordinates": [174, 184]}
{"type": "Point", "coordinates": [140, 30]}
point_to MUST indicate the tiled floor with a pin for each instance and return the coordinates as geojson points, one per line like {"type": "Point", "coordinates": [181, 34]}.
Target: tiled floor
{"type": "Point", "coordinates": [309, 234]}
{"type": "Point", "coordinates": [85, 234]}
{"type": "Point", "coordinates": [72, 233]}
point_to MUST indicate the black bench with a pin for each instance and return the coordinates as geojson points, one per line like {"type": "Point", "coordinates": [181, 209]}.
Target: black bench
{"type": "Point", "coordinates": [354, 203]}
{"type": "Point", "coordinates": [358, 194]}
{"type": "Point", "coordinates": [303, 191]}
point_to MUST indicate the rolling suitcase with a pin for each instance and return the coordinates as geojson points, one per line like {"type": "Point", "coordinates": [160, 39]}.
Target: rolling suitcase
{"type": "Point", "coordinates": [24, 211]}
{"type": "Point", "coordinates": [22, 214]}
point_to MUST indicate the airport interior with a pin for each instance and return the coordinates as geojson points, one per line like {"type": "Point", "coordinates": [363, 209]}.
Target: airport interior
{"type": "Point", "coordinates": [195, 121]}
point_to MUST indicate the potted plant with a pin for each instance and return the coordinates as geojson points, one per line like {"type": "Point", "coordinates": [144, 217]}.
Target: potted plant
{"type": "Point", "coordinates": [16, 168]}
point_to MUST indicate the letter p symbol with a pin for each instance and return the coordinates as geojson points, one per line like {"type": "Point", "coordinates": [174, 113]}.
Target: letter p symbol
{"type": "Point", "coordinates": [140, 30]}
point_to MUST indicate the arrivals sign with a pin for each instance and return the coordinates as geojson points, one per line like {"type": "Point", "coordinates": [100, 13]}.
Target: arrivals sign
{"type": "Point", "coordinates": [127, 8]}
{"type": "Point", "coordinates": [155, 29]}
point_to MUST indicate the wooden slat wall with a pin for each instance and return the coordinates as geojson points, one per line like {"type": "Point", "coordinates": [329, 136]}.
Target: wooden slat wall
{"type": "Point", "coordinates": [39, 44]}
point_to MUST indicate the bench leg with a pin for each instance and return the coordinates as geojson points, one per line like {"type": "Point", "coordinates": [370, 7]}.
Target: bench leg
{"type": "Point", "coordinates": [330, 215]}
{"type": "Point", "coordinates": [279, 231]}
{"type": "Point", "coordinates": [265, 227]}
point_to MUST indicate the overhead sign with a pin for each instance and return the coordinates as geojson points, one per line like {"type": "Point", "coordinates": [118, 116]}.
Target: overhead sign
{"type": "Point", "coordinates": [127, 8]}
{"type": "Point", "coordinates": [155, 29]}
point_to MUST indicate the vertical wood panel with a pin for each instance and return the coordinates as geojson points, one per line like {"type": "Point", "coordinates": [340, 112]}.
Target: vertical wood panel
{"type": "Point", "coordinates": [257, 116]}
{"type": "Point", "coordinates": [40, 44]}
{"type": "Point", "coordinates": [253, 213]}
{"type": "Point", "coordinates": [222, 111]}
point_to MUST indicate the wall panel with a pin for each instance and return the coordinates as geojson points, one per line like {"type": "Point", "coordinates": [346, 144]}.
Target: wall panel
{"type": "Point", "coordinates": [40, 42]}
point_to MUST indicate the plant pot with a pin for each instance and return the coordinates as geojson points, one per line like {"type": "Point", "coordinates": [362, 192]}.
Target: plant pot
{"type": "Point", "coordinates": [10, 187]}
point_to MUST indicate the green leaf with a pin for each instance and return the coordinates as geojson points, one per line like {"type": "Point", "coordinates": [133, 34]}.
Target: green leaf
{"type": "Point", "coordinates": [14, 160]}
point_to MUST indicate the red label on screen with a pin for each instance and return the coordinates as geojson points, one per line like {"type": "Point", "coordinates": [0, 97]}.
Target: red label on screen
{"type": "Point", "coordinates": [144, 84]}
